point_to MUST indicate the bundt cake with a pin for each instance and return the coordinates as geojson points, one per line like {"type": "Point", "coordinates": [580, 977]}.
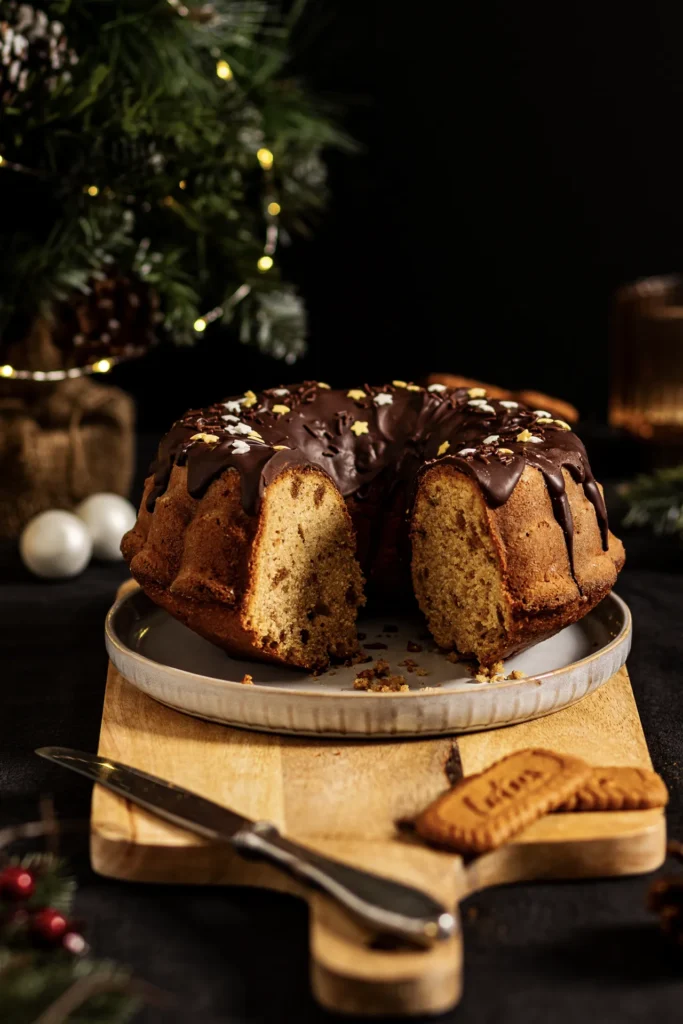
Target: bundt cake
{"type": "Point", "coordinates": [266, 519]}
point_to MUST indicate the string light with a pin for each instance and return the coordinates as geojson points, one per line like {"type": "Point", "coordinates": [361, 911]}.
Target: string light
{"type": "Point", "coordinates": [92, 190]}
{"type": "Point", "coordinates": [101, 366]}
{"type": "Point", "coordinates": [182, 184]}
{"type": "Point", "coordinates": [2, 160]}
{"type": "Point", "coordinates": [265, 263]}
{"type": "Point", "coordinates": [265, 158]}
{"type": "Point", "coordinates": [223, 70]}
{"type": "Point", "coordinates": [273, 209]}
{"type": "Point", "coordinates": [200, 325]}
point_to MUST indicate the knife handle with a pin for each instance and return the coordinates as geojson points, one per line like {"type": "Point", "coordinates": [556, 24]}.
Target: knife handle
{"type": "Point", "coordinates": [382, 904]}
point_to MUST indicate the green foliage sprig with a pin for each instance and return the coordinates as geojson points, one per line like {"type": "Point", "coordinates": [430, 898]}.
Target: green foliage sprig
{"type": "Point", "coordinates": [139, 113]}
{"type": "Point", "coordinates": [656, 501]}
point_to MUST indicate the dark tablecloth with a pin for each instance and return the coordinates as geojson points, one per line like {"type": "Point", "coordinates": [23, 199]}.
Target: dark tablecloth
{"type": "Point", "coordinates": [560, 952]}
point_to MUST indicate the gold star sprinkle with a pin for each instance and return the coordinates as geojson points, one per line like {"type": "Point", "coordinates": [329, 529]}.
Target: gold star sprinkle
{"type": "Point", "coordinates": [282, 410]}
{"type": "Point", "coordinates": [443, 448]}
{"type": "Point", "coordinates": [505, 451]}
{"type": "Point", "coordinates": [561, 424]}
{"type": "Point", "coordinates": [207, 438]}
{"type": "Point", "coordinates": [322, 385]}
{"type": "Point", "coordinates": [524, 435]}
{"type": "Point", "coordinates": [399, 384]}
{"type": "Point", "coordinates": [477, 392]}
{"type": "Point", "coordinates": [254, 435]}
{"type": "Point", "coordinates": [248, 400]}
{"type": "Point", "coordinates": [545, 421]}
{"type": "Point", "coordinates": [360, 427]}
{"type": "Point", "coordinates": [280, 447]}
{"type": "Point", "coordinates": [356, 394]}
{"type": "Point", "coordinates": [414, 387]}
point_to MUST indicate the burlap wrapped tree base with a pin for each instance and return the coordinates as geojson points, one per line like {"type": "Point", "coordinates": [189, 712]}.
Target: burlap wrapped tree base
{"type": "Point", "coordinates": [60, 443]}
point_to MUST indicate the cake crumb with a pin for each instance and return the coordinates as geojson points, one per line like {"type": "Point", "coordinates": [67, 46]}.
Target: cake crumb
{"type": "Point", "coordinates": [421, 672]}
{"type": "Point", "coordinates": [414, 648]}
{"type": "Point", "coordinates": [408, 663]}
{"type": "Point", "coordinates": [453, 657]}
{"type": "Point", "coordinates": [386, 684]}
{"type": "Point", "coordinates": [247, 680]}
{"type": "Point", "coordinates": [517, 674]}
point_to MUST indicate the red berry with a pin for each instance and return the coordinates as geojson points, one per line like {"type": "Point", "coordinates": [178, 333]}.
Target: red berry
{"type": "Point", "coordinates": [49, 924]}
{"type": "Point", "coordinates": [17, 883]}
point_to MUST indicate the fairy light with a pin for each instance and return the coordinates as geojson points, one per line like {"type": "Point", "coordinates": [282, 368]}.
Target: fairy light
{"type": "Point", "coordinates": [92, 190]}
{"type": "Point", "coordinates": [265, 263]}
{"type": "Point", "coordinates": [2, 160]}
{"type": "Point", "coordinates": [265, 158]}
{"type": "Point", "coordinates": [182, 184]}
{"type": "Point", "coordinates": [273, 209]}
{"type": "Point", "coordinates": [102, 366]}
{"type": "Point", "coordinates": [6, 371]}
{"type": "Point", "coordinates": [223, 70]}
{"type": "Point", "coordinates": [200, 325]}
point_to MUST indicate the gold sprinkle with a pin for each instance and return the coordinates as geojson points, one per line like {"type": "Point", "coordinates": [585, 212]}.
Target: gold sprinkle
{"type": "Point", "coordinates": [356, 394]}
{"type": "Point", "coordinates": [248, 400]}
{"type": "Point", "coordinates": [505, 451]}
{"type": "Point", "coordinates": [443, 448]}
{"type": "Point", "coordinates": [414, 387]}
{"type": "Point", "coordinates": [544, 421]}
{"type": "Point", "coordinates": [281, 409]}
{"type": "Point", "coordinates": [207, 438]}
{"type": "Point", "coordinates": [562, 424]}
{"type": "Point", "coordinates": [477, 392]}
{"type": "Point", "coordinates": [254, 435]}
{"type": "Point", "coordinates": [280, 447]}
{"type": "Point", "coordinates": [360, 427]}
{"type": "Point", "coordinates": [399, 383]}
{"type": "Point", "coordinates": [322, 385]}
{"type": "Point", "coordinates": [524, 435]}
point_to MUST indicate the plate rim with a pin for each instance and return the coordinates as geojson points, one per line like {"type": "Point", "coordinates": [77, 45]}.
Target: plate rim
{"type": "Point", "coordinates": [180, 674]}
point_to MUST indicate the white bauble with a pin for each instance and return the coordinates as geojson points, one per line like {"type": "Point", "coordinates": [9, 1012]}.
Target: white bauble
{"type": "Point", "coordinates": [107, 517]}
{"type": "Point", "coordinates": [55, 545]}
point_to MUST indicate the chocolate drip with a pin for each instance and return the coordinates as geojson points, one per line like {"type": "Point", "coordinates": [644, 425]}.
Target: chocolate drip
{"type": "Point", "coordinates": [376, 442]}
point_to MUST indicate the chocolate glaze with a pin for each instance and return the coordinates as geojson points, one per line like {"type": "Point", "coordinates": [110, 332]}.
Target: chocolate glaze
{"type": "Point", "coordinates": [399, 431]}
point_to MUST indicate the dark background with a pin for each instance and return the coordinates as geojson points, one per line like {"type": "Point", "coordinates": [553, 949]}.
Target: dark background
{"type": "Point", "coordinates": [519, 162]}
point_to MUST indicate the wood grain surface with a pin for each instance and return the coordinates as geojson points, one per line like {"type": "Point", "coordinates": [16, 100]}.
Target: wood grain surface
{"type": "Point", "coordinates": [346, 798]}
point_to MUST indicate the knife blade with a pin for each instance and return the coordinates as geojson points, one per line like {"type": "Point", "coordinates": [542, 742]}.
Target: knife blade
{"type": "Point", "coordinates": [382, 904]}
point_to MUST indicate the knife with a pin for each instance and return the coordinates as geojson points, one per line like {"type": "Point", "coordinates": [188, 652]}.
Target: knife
{"type": "Point", "coordinates": [384, 905]}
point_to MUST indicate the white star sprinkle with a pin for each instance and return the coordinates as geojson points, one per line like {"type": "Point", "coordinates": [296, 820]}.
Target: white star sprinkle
{"type": "Point", "coordinates": [467, 451]}
{"type": "Point", "coordinates": [436, 387]}
{"type": "Point", "coordinates": [280, 392]}
{"type": "Point", "coordinates": [509, 405]}
{"type": "Point", "coordinates": [383, 399]}
{"type": "Point", "coordinates": [491, 439]}
{"type": "Point", "coordinates": [239, 428]}
{"type": "Point", "coordinates": [541, 412]}
{"type": "Point", "coordinates": [233, 406]}
{"type": "Point", "coordinates": [240, 447]}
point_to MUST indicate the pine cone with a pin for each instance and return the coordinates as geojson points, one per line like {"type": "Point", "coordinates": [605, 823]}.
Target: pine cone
{"type": "Point", "coordinates": [116, 320]}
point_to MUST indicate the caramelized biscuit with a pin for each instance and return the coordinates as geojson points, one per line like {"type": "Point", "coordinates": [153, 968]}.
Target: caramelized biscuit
{"type": "Point", "coordinates": [483, 811]}
{"type": "Point", "coordinates": [618, 789]}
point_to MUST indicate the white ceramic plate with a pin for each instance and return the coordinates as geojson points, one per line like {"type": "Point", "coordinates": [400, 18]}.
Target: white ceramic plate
{"type": "Point", "coordinates": [175, 666]}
